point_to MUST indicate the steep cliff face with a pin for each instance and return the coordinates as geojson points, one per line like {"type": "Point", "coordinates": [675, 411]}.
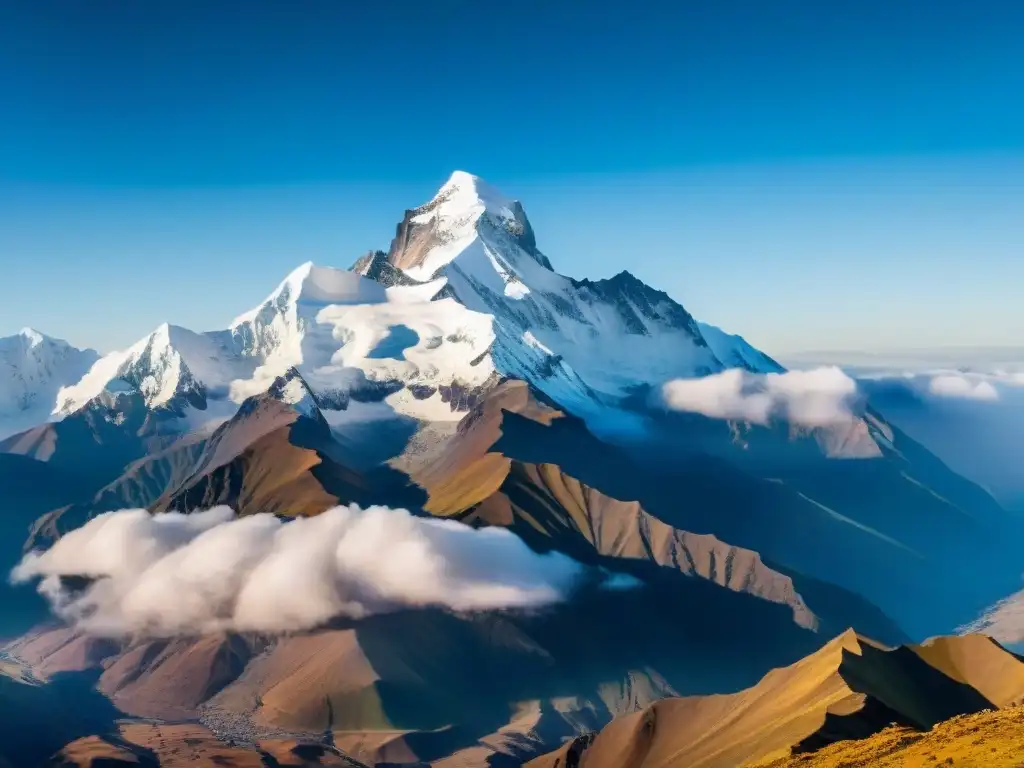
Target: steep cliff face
{"type": "Point", "coordinates": [375, 266]}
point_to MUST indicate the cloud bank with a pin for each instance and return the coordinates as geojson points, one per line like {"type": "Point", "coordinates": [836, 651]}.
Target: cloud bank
{"type": "Point", "coordinates": [173, 574]}
{"type": "Point", "coordinates": [814, 398]}
{"type": "Point", "coordinates": [959, 385]}
{"type": "Point", "coordinates": [984, 386]}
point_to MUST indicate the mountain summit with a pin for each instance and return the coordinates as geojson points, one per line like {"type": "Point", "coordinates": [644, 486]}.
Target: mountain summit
{"type": "Point", "coordinates": [466, 207]}
{"type": "Point", "coordinates": [33, 368]}
{"type": "Point", "coordinates": [464, 295]}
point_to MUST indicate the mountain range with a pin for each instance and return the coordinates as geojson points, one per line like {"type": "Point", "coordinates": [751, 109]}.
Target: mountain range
{"type": "Point", "coordinates": [459, 376]}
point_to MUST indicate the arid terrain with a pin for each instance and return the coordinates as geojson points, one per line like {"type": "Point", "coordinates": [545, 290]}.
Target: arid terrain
{"type": "Point", "coordinates": [992, 739]}
{"type": "Point", "coordinates": [850, 704]}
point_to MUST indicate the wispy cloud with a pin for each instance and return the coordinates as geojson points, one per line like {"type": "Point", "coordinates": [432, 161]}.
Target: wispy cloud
{"type": "Point", "coordinates": [813, 398]}
{"type": "Point", "coordinates": [174, 574]}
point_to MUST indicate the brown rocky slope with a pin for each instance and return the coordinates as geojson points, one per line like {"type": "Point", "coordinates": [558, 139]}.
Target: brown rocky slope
{"type": "Point", "coordinates": [427, 685]}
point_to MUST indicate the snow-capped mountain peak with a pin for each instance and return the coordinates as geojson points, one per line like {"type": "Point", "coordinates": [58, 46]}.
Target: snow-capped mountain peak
{"type": "Point", "coordinates": [464, 199]}
{"type": "Point", "coordinates": [33, 368]}
{"type": "Point", "coordinates": [277, 329]}
{"type": "Point", "coordinates": [311, 286]}
{"type": "Point", "coordinates": [173, 368]}
{"type": "Point", "coordinates": [33, 337]}
{"type": "Point", "coordinates": [463, 211]}
{"type": "Point", "coordinates": [581, 337]}
{"type": "Point", "coordinates": [463, 296]}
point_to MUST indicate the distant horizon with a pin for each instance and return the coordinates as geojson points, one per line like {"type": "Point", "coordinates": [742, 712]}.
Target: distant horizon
{"type": "Point", "coordinates": [940, 354]}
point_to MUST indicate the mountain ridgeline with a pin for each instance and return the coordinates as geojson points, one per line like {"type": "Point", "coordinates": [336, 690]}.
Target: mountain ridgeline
{"type": "Point", "coordinates": [459, 376]}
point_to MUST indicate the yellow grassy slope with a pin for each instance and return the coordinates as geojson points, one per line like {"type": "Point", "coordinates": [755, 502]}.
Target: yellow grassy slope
{"type": "Point", "coordinates": [986, 740]}
{"type": "Point", "coordinates": [726, 731]}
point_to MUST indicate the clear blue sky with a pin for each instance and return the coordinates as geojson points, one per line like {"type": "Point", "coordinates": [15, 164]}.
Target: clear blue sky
{"type": "Point", "coordinates": [810, 175]}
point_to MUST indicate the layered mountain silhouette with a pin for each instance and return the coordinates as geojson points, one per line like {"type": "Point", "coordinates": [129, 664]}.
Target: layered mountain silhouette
{"type": "Point", "coordinates": [459, 376]}
{"type": "Point", "coordinates": [851, 689]}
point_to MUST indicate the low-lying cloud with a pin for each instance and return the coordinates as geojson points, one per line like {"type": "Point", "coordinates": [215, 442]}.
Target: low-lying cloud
{"type": "Point", "coordinates": [961, 386]}
{"type": "Point", "coordinates": [987, 386]}
{"type": "Point", "coordinates": [813, 398]}
{"type": "Point", "coordinates": [172, 574]}
{"type": "Point", "coordinates": [986, 383]}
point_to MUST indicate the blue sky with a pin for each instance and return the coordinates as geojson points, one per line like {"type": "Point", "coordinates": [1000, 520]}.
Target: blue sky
{"type": "Point", "coordinates": [811, 176]}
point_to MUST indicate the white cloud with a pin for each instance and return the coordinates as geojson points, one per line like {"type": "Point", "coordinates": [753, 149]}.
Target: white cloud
{"type": "Point", "coordinates": [1010, 378]}
{"type": "Point", "coordinates": [813, 398]}
{"type": "Point", "coordinates": [962, 386]}
{"type": "Point", "coordinates": [173, 574]}
{"type": "Point", "coordinates": [978, 385]}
